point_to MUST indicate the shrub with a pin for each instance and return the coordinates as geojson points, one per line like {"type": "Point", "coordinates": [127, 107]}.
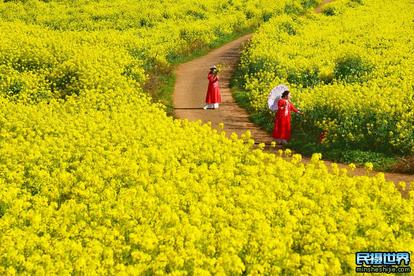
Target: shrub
{"type": "Point", "coordinates": [16, 87]}
{"type": "Point", "coordinates": [329, 11]}
{"type": "Point", "coordinates": [305, 78]}
{"type": "Point", "coordinates": [351, 68]}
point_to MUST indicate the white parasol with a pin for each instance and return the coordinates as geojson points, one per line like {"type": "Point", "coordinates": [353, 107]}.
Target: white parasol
{"type": "Point", "coordinates": [275, 95]}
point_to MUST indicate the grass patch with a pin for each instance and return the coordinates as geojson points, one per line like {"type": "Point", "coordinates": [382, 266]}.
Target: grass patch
{"type": "Point", "coordinates": [307, 145]}
{"type": "Point", "coordinates": [161, 89]}
{"type": "Point", "coordinates": [242, 99]}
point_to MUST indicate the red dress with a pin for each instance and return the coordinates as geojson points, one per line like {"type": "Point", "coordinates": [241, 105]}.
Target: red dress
{"type": "Point", "coordinates": [213, 92]}
{"type": "Point", "coordinates": [282, 120]}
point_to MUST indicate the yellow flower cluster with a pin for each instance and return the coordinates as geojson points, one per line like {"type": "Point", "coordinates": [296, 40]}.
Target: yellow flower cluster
{"type": "Point", "coordinates": [351, 70]}
{"type": "Point", "coordinates": [113, 190]}
{"type": "Point", "coordinates": [106, 183]}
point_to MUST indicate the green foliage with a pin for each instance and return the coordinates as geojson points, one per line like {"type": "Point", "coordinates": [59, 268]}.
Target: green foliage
{"type": "Point", "coordinates": [329, 11]}
{"type": "Point", "coordinates": [15, 87]}
{"type": "Point", "coordinates": [289, 28]}
{"type": "Point", "coordinates": [380, 160]}
{"type": "Point", "coordinates": [360, 2]}
{"type": "Point", "coordinates": [257, 66]}
{"type": "Point", "coordinates": [351, 69]}
{"type": "Point", "coordinates": [300, 7]}
{"type": "Point", "coordinates": [308, 4]}
{"type": "Point", "coordinates": [306, 78]}
{"type": "Point", "coordinates": [3, 208]}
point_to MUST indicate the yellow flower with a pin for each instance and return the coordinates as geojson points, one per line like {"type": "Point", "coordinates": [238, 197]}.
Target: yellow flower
{"type": "Point", "coordinates": [368, 166]}
{"type": "Point", "coordinates": [288, 152]}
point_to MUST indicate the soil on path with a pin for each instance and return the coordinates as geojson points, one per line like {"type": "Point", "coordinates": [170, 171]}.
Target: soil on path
{"type": "Point", "coordinates": [190, 91]}
{"type": "Point", "coordinates": [191, 87]}
{"type": "Point", "coordinates": [319, 8]}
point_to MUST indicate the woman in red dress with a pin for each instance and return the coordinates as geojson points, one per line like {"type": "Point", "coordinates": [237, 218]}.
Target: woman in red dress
{"type": "Point", "coordinates": [213, 97]}
{"type": "Point", "coordinates": [282, 129]}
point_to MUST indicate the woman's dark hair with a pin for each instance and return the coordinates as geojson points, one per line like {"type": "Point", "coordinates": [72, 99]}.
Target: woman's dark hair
{"type": "Point", "coordinates": [284, 94]}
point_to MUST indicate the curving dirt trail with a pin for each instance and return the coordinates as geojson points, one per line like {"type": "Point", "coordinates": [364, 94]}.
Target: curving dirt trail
{"type": "Point", "coordinates": [191, 86]}
{"type": "Point", "coordinates": [190, 90]}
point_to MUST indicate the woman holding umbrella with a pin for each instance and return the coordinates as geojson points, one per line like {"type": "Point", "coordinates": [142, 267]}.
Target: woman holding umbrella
{"type": "Point", "coordinates": [213, 97]}
{"type": "Point", "coordinates": [282, 129]}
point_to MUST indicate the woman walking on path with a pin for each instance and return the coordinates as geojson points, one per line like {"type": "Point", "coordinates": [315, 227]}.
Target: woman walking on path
{"type": "Point", "coordinates": [282, 129]}
{"type": "Point", "coordinates": [213, 97]}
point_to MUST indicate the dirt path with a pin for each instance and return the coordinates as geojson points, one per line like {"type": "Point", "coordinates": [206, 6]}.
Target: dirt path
{"type": "Point", "coordinates": [190, 90]}
{"type": "Point", "coordinates": [320, 7]}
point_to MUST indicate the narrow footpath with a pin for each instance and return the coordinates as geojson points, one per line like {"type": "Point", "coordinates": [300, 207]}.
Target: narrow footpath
{"type": "Point", "coordinates": [191, 86]}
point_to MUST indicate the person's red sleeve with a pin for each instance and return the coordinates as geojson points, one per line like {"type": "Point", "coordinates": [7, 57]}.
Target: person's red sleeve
{"type": "Point", "coordinates": [212, 78]}
{"type": "Point", "coordinates": [292, 107]}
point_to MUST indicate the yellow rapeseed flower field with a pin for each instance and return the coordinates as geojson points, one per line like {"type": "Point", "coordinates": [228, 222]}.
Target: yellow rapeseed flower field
{"type": "Point", "coordinates": [96, 179]}
{"type": "Point", "coordinates": [350, 70]}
